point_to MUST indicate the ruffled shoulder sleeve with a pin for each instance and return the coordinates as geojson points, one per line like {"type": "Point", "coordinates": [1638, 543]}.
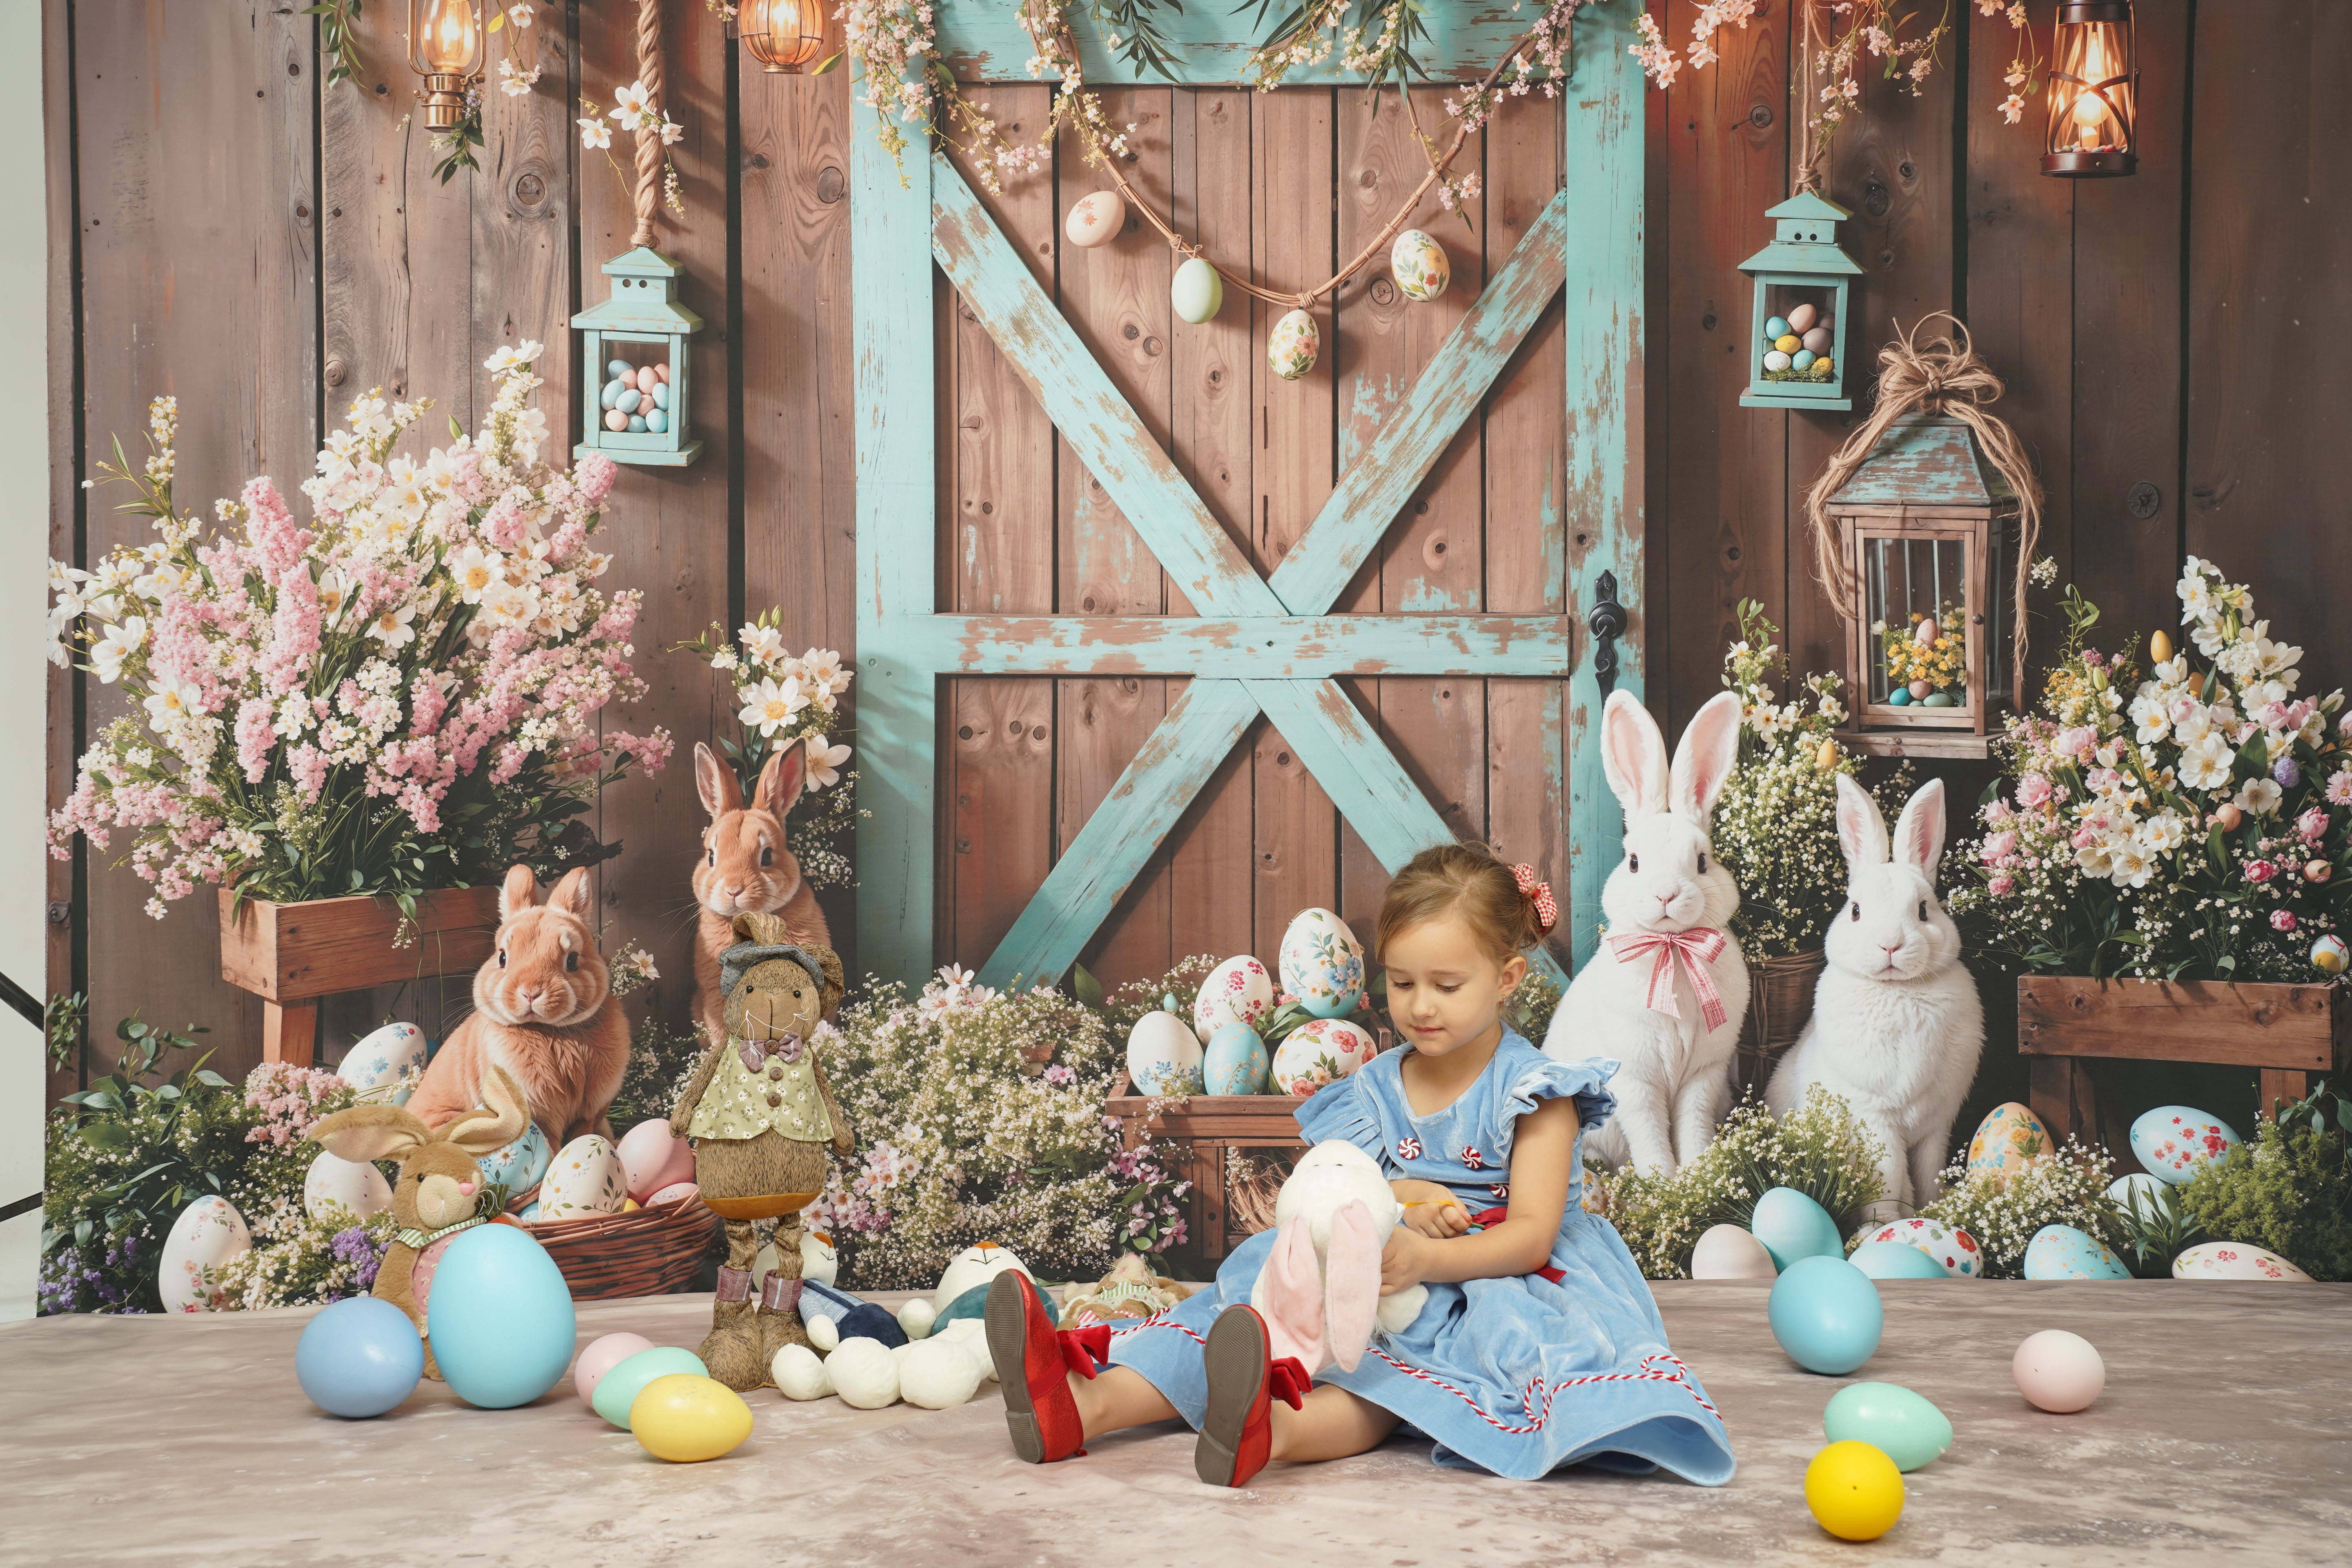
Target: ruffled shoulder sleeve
{"type": "Point", "coordinates": [1349, 1109]}
{"type": "Point", "coordinates": [1525, 1077]}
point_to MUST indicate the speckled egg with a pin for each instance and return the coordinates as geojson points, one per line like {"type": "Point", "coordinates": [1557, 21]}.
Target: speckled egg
{"type": "Point", "coordinates": [1164, 1056]}
{"type": "Point", "coordinates": [1776, 360]}
{"type": "Point", "coordinates": [1776, 327]}
{"type": "Point", "coordinates": [1788, 342]}
{"type": "Point", "coordinates": [1956, 1249]}
{"type": "Point", "coordinates": [1818, 339]}
{"type": "Point", "coordinates": [1196, 292]}
{"type": "Point", "coordinates": [1322, 964]}
{"type": "Point", "coordinates": [1238, 991]}
{"type": "Point", "coordinates": [354, 1186]}
{"type": "Point", "coordinates": [1320, 1051]}
{"type": "Point", "coordinates": [520, 1165]}
{"type": "Point", "coordinates": [586, 1177]}
{"type": "Point", "coordinates": [375, 1067]}
{"type": "Point", "coordinates": [2062, 1252]}
{"type": "Point", "coordinates": [1291, 347]}
{"type": "Point", "coordinates": [1420, 265]}
{"type": "Point", "coordinates": [2009, 1138]}
{"type": "Point", "coordinates": [1095, 219]}
{"type": "Point", "coordinates": [2235, 1260]}
{"type": "Point", "coordinates": [208, 1233]}
{"type": "Point", "coordinates": [1234, 1061]}
{"type": "Point", "coordinates": [2172, 1141]}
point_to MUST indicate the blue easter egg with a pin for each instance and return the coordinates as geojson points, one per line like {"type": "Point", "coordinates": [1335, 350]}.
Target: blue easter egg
{"type": "Point", "coordinates": [628, 400]}
{"type": "Point", "coordinates": [617, 368]}
{"type": "Point", "coordinates": [1900, 696]}
{"type": "Point", "coordinates": [1791, 1225]}
{"type": "Point", "coordinates": [612, 393]}
{"type": "Point", "coordinates": [2062, 1252]}
{"type": "Point", "coordinates": [1826, 1314]}
{"type": "Point", "coordinates": [1802, 359]}
{"type": "Point", "coordinates": [1777, 327]}
{"type": "Point", "coordinates": [1235, 1062]}
{"type": "Point", "coordinates": [657, 421]}
{"type": "Point", "coordinates": [661, 394]}
{"type": "Point", "coordinates": [2172, 1141]}
{"type": "Point", "coordinates": [375, 1066]}
{"type": "Point", "coordinates": [1937, 700]}
{"type": "Point", "coordinates": [518, 1166]}
{"type": "Point", "coordinates": [618, 1389]}
{"type": "Point", "coordinates": [1895, 1260]}
{"type": "Point", "coordinates": [359, 1358]}
{"type": "Point", "coordinates": [500, 1317]}
{"type": "Point", "coordinates": [636, 422]}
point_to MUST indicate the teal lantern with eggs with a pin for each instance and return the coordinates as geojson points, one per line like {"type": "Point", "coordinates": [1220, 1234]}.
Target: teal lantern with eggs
{"type": "Point", "coordinates": [637, 354]}
{"type": "Point", "coordinates": [1797, 356]}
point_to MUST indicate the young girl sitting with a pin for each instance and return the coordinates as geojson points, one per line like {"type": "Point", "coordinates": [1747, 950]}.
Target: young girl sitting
{"type": "Point", "coordinates": [1540, 1345]}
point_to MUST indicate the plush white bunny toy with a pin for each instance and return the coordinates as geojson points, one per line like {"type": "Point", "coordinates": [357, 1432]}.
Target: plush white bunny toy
{"type": "Point", "coordinates": [1666, 992]}
{"type": "Point", "coordinates": [1319, 1292]}
{"type": "Point", "coordinates": [1897, 1025]}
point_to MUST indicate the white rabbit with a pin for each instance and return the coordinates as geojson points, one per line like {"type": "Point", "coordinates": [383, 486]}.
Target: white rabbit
{"type": "Point", "coordinates": [1897, 1025]}
{"type": "Point", "coordinates": [1319, 1292]}
{"type": "Point", "coordinates": [1668, 902]}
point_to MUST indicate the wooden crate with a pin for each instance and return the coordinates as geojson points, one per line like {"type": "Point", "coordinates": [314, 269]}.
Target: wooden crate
{"type": "Point", "coordinates": [290, 955]}
{"type": "Point", "coordinates": [1206, 1128]}
{"type": "Point", "coordinates": [2284, 1031]}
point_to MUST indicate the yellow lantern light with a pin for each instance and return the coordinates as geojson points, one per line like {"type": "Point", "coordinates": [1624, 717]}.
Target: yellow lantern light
{"type": "Point", "coordinates": [783, 36]}
{"type": "Point", "coordinates": [2093, 92]}
{"type": "Point", "coordinates": [447, 46]}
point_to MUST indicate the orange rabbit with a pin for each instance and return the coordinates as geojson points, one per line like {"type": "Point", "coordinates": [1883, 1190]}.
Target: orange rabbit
{"type": "Point", "coordinates": [543, 1011]}
{"type": "Point", "coordinates": [747, 870]}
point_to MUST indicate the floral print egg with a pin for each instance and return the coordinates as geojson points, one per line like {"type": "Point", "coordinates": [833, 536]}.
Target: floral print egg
{"type": "Point", "coordinates": [2006, 1140]}
{"type": "Point", "coordinates": [585, 1177]}
{"type": "Point", "coordinates": [1420, 265]}
{"type": "Point", "coordinates": [2235, 1260]}
{"type": "Point", "coordinates": [1238, 991]}
{"type": "Point", "coordinates": [2062, 1252]}
{"type": "Point", "coordinates": [521, 1164]}
{"type": "Point", "coordinates": [1164, 1056]}
{"type": "Point", "coordinates": [208, 1233]}
{"type": "Point", "coordinates": [1320, 1051]}
{"type": "Point", "coordinates": [2172, 1141]}
{"type": "Point", "coordinates": [377, 1065]}
{"type": "Point", "coordinates": [1235, 1062]}
{"type": "Point", "coordinates": [1291, 347]}
{"type": "Point", "coordinates": [1322, 964]}
{"type": "Point", "coordinates": [1956, 1249]}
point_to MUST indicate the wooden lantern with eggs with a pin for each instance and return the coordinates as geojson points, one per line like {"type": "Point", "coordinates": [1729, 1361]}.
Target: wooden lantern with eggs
{"type": "Point", "coordinates": [635, 347]}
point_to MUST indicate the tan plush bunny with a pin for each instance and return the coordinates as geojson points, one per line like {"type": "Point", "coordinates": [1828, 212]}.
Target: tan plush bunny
{"type": "Point", "coordinates": [746, 867]}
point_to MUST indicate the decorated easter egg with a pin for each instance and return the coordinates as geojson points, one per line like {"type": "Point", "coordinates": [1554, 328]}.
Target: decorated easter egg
{"type": "Point", "coordinates": [1900, 696]}
{"type": "Point", "coordinates": [1803, 316]}
{"type": "Point", "coordinates": [1776, 327]}
{"type": "Point", "coordinates": [359, 1358]}
{"type": "Point", "coordinates": [1728, 1252]}
{"type": "Point", "coordinates": [654, 1157]}
{"type": "Point", "coordinates": [686, 1418]}
{"type": "Point", "coordinates": [1291, 347]}
{"type": "Point", "coordinates": [618, 1389]}
{"type": "Point", "coordinates": [1955, 1250]}
{"type": "Point", "coordinates": [2006, 1141]}
{"type": "Point", "coordinates": [1816, 340]}
{"type": "Point", "coordinates": [2058, 1372]}
{"type": "Point", "coordinates": [1196, 293]}
{"type": "Point", "coordinates": [602, 1356]}
{"type": "Point", "coordinates": [1937, 700]}
{"type": "Point", "coordinates": [1892, 1419]}
{"type": "Point", "coordinates": [2330, 954]}
{"type": "Point", "coordinates": [1322, 964]}
{"type": "Point", "coordinates": [1791, 1225]}
{"type": "Point", "coordinates": [2172, 1141]}
{"type": "Point", "coordinates": [1420, 265]}
{"type": "Point", "coordinates": [1853, 1491]}
{"type": "Point", "coordinates": [1237, 991]}
{"type": "Point", "coordinates": [1892, 1260]}
{"type": "Point", "coordinates": [375, 1067]}
{"type": "Point", "coordinates": [1234, 1061]}
{"type": "Point", "coordinates": [354, 1185]}
{"type": "Point", "coordinates": [1095, 219]}
{"type": "Point", "coordinates": [1776, 360]}
{"type": "Point", "coordinates": [1801, 360]}
{"type": "Point", "coordinates": [585, 1177]}
{"type": "Point", "coordinates": [676, 1192]}
{"type": "Point", "coordinates": [1826, 1314]}
{"type": "Point", "coordinates": [208, 1233]}
{"type": "Point", "coordinates": [2235, 1260]}
{"type": "Point", "coordinates": [1164, 1056]}
{"type": "Point", "coordinates": [1320, 1051]}
{"type": "Point", "coordinates": [1788, 342]}
{"type": "Point", "coordinates": [500, 1317]}
{"type": "Point", "coordinates": [2062, 1252]}
{"type": "Point", "coordinates": [974, 1265]}
{"type": "Point", "coordinates": [521, 1164]}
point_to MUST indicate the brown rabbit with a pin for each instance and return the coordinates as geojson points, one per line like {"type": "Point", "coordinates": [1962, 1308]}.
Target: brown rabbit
{"type": "Point", "coordinates": [440, 1190]}
{"type": "Point", "coordinates": [543, 1011]}
{"type": "Point", "coordinates": [745, 868]}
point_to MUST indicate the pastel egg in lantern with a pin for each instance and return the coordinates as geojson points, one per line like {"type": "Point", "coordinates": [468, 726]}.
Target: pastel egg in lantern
{"type": "Point", "coordinates": [1095, 219]}
{"type": "Point", "coordinates": [1291, 347]}
{"type": "Point", "coordinates": [1197, 292]}
{"type": "Point", "coordinates": [1322, 964]}
{"type": "Point", "coordinates": [1803, 316]}
{"type": "Point", "coordinates": [1420, 265]}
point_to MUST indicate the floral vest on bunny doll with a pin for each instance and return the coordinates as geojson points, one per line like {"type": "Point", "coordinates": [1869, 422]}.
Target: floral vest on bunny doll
{"type": "Point", "coordinates": [763, 1085]}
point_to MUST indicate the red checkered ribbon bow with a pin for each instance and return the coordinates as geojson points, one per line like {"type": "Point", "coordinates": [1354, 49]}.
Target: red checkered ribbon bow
{"type": "Point", "coordinates": [1697, 947]}
{"type": "Point", "coordinates": [1539, 894]}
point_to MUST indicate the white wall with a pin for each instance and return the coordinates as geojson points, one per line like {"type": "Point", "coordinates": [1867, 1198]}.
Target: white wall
{"type": "Point", "coordinates": [24, 556]}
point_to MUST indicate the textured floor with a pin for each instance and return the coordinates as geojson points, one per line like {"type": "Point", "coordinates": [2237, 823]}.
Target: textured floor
{"type": "Point", "coordinates": [2225, 1434]}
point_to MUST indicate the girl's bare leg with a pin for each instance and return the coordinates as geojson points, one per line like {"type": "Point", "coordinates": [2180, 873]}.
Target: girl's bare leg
{"type": "Point", "coordinates": [1330, 1423]}
{"type": "Point", "coordinates": [1118, 1396]}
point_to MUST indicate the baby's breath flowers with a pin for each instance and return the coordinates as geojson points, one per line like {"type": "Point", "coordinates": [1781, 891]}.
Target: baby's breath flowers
{"type": "Point", "coordinates": [2003, 1211]}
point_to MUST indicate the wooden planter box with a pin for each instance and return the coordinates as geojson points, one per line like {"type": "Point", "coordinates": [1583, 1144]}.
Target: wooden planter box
{"type": "Point", "coordinates": [290, 955]}
{"type": "Point", "coordinates": [1206, 1128]}
{"type": "Point", "coordinates": [2284, 1031]}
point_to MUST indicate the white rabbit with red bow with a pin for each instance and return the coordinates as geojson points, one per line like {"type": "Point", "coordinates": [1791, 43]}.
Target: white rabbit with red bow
{"type": "Point", "coordinates": [1319, 1292]}
{"type": "Point", "coordinates": [1664, 994]}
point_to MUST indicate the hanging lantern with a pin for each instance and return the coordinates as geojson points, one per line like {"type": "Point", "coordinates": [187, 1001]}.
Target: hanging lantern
{"type": "Point", "coordinates": [1796, 352]}
{"type": "Point", "coordinates": [2093, 91]}
{"type": "Point", "coordinates": [635, 348]}
{"type": "Point", "coordinates": [787, 35]}
{"type": "Point", "coordinates": [447, 49]}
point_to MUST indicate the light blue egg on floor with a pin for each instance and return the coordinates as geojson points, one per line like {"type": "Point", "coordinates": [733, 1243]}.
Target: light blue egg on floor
{"type": "Point", "coordinates": [1900, 696]}
{"type": "Point", "coordinates": [628, 400]}
{"type": "Point", "coordinates": [2062, 1252]}
{"type": "Point", "coordinates": [359, 1358]}
{"type": "Point", "coordinates": [1905, 1427]}
{"type": "Point", "coordinates": [2172, 1141]}
{"type": "Point", "coordinates": [657, 421]}
{"type": "Point", "coordinates": [520, 1164]}
{"type": "Point", "coordinates": [1895, 1260]}
{"type": "Point", "coordinates": [610, 395]}
{"type": "Point", "coordinates": [1826, 1314]}
{"type": "Point", "coordinates": [1235, 1062]}
{"type": "Point", "coordinates": [499, 1317]}
{"type": "Point", "coordinates": [617, 368]}
{"type": "Point", "coordinates": [1791, 1225]}
{"type": "Point", "coordinates": [1777, 327]}
{"type": "Point", "coordinates": [618, 1389]}
{"type": "Point", "coordinates": [637, 422]}
{"type": "Point", "coordinates": [661, 394]}
{"type": "Point", "coordinates": [1802, 360]}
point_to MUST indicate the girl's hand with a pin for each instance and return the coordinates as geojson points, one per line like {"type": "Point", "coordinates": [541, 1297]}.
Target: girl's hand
{"type": "Point", "coordinates": [1406, 1260]}
{"type": "Point", "coordinates": [1432, 1210]}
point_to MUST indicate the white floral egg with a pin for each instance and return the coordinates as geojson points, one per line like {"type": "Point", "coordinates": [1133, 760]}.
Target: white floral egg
{"type": "Point", "coordinates": [355, 1184]}
{"type": "Point", "coordinates": [208, 1233]}
{"type": "Point", "coordinates": [1420, 265]}
{"type": "Point", "coordinates": [2172, 1141]}
{"type": "Point", "coordinates": [586, 1177]}
{"type": "Point", "coordinates": [1321, 1051]}
{"type": "Point", "coordinates": [1291, 347]}
{"type": "Point", "coordinates": [1238, 991]}
{"type": "Point", "coordinates": [1095, 219]}
{"type": "Point", "coordinates": [2235, 1260]}
{"type": "Point", "coordinates": [2062, 1252]}
{"type": "Point", "coordinates": [375, 1066]}
{"type": "Point", "coordinates": [1322, 964]}
{"type": "Point", "coordinates": [1164, 1056]}
{"type": "Point", "coordinates": [520, 1165]}
{"type": "Point", "coordinates": [1955, 1249]}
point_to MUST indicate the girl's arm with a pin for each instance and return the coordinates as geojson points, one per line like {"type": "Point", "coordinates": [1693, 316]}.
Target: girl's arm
{"type": "Point", "coordinates": [1431, 1208]}
{"type": "Point", "coordinates": [1522, 1243]}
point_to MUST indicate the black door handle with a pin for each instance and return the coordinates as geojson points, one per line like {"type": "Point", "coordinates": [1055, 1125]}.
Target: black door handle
{"type": "Point", "coordinates": [1607, 621]}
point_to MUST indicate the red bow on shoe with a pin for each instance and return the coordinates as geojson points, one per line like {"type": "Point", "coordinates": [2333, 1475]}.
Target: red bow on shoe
{"type": "Point", "coordinates": [1287, 1380]}
{"type": "Point", "coordinates": [1086, 1350]}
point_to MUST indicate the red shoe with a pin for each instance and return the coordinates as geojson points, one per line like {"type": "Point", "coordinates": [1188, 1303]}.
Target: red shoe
{"type": "Point", "coordinates": [1237, 1434]}
{"type": "Point", "coordinates": [1033, 1364]}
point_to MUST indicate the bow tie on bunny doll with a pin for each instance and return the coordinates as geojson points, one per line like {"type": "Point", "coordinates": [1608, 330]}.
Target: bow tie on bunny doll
{"type": "Point", "coordinates": [1319, 1292]}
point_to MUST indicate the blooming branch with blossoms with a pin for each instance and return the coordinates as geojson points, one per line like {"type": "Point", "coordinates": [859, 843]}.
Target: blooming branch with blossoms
{"type": "Point", "coordinates": [635, 111]}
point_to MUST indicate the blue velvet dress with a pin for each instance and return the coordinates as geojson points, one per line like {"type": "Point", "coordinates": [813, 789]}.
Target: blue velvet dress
{"type": "Point", "coordinates": [1519, 1376]}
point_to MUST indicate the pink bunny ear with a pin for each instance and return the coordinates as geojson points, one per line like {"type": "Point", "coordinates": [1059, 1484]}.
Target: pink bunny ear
{"type": "Point", "coordinates": [1292, 1302]}
{"type": "Point", "coordinates": [1351, 1285]}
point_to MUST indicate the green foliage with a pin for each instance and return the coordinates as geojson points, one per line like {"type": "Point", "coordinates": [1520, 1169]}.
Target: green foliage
{"type": "Point", "coordinates": [339, 42]}
{"type": "Point", "coordinates": [1530, 1007]}
{"type": "Point", "coordinates": [63, 1020]}
{"type": "Point", "coordinates": [2156, 1227]}
{"type": "Point", "coordinates": [662, 1056]}
{"type": "Point", "coordinates": [2003, 1210]}
{"type": "Point", "coordinates": [2290, 1190]}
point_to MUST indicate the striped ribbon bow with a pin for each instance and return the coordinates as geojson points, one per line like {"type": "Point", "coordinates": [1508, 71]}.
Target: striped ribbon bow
{"type": "Point", "coordinates": [1697, 947]}
{"type": "Point", "coordinates": [1538, 893]}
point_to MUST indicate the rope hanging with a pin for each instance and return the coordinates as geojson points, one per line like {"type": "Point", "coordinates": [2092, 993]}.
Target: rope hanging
{"type": "Point", "coordinates": [650, 156]}
{"type": "Point", "coordinates": [1937, 375]}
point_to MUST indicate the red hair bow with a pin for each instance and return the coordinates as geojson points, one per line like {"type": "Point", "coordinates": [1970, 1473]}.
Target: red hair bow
{"type": "Point", "coordinates": [1539, 894]}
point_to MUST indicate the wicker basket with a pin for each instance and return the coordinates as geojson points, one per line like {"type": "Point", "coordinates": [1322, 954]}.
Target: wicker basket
{"type": "Point", "coordinates": [645, 1252]}
{"type": "Point", "coordinates": [1779, 1003]}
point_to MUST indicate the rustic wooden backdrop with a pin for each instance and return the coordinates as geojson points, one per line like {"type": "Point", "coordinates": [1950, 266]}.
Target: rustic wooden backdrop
{"type": "Point", "coordinates": [225, 230]}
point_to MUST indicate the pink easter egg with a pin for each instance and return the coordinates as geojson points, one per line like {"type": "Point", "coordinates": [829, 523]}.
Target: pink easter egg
{"type": "Point", "coordinates": [615, 420]}
{"type": "Point", "coordinates": [627, 378]}
{"type": "Point", "coordinates": [661, 373]}
{"type": "Point", "coordinates": [653, 1158]}
{"type": "Point", "coordinates": [601, 1357]}
{"type": "Point", "coordinates": [677, 1192]}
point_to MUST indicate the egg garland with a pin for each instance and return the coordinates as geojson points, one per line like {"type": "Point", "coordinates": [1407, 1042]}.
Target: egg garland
{"type": "Point", "coordinates": [635, 397]}
{"type": "Point", "coordinates": [1420, 265]}
{"type": "Point", "coordinates": [1291, 347]}
{"type": "Point", "coordinates": [1095, 219]}
{"type": "Point", "coordinates": [1196, 293]}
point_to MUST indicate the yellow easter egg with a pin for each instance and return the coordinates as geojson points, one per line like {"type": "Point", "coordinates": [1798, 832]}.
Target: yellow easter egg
{"type": "Point", "coordinates": [1788, 343]}
{"type": "Point", "coordinates": [1853, 1490]}
{"type": "Point", "coordinates": [1828, 757]}
{"type": "Point", "coordinates": [2009, 1137]}
{"type": "Point", "coordinates": [2159, 648]}
{"type": "Point", "coordinates": [686, 1418]}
